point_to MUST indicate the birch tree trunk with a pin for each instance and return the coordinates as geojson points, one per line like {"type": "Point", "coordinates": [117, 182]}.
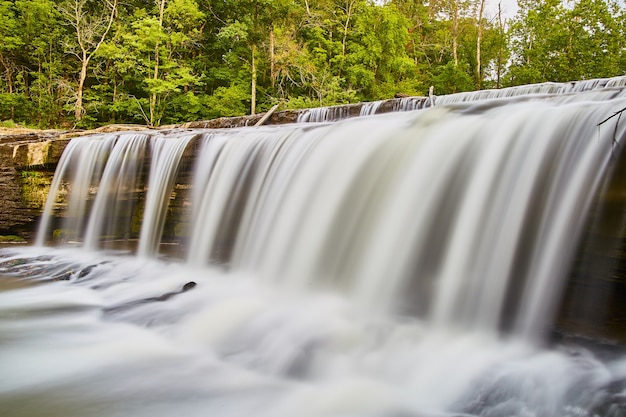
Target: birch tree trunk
{"type": "Point", "coordinates": [479, 38]}
{"type": "Point", "coordinates": [155, 75]}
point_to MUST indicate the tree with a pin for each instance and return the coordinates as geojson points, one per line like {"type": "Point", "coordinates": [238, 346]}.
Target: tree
{"type": "Point", "coordinates": [31, 78]}
{"type": "Point", "coordinates": [500, 45]}
{"type": "Point", "coordinates": [91, 26]}
{"type": "Point", "coordinates": [479, 38]}
{"type": "Point", "coordinates": [10, 41]}
{"type": "Point", "coordinates": [377, 64]}
{"type": "Point", "coordinates": [552, 42]}
{"type": "Point", "coordinates": [153, 54]}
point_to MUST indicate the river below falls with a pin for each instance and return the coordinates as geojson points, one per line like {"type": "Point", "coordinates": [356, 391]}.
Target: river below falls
{"type": "Point", "coordinates": [108, 335]}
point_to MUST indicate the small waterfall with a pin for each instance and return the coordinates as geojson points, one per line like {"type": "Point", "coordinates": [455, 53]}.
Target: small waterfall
{"type": "Point", "coordinates": [111, 214]}
{"type": "Point", "coordinates": [319, 114]}
{"type": "Point", "coordinates": [106, 173]}
{"type": "Point", "coordinates": [371, 108]}
{"type": "Point", "coordinates": [324, 114]}
{"type": "Point", "coordinates": [411, 103]}
{"type": "Point", "coordinates": [166, 156]}
{"type": "Point", "coordinates": [408, 263]}
{"type": "Point", "coordinates": [81, 166]}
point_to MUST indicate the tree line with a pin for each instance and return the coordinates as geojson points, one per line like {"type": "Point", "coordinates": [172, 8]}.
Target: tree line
{"type": "Point", "coordinates": [90, 62]}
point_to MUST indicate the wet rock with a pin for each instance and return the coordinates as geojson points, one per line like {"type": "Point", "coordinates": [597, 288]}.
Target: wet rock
{"type": "Point", "coordinates": [119, 308]}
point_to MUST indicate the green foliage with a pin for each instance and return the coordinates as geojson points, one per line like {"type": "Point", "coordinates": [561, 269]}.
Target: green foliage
{"type": "Point", "coordinates": [452, 79]}
{"type": "Point", "coordinates": [555, 42]}
{"type": "Point", "coordinates": [200, 59]}
{"type": "Point", "coordinates": [10, 124]}
{"type": "Point", "coordinates": [226, 101]}
{"type": "Point", "coordinates": [11, 239]}
{"type": "Point", "coordinates": [15, 107]}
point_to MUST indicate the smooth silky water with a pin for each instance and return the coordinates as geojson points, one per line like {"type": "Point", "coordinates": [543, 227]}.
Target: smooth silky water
{"type": "Point", "coordinates": [406, 264]}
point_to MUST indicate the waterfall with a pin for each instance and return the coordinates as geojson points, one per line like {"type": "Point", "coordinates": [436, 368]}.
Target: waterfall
{"type": "Point", "coordinates": [110, 214]}
{"type": "Point", "coordinates": [411, 103]}
{"type": "Point", "coordinates": [166, 156]}
{"type": "Point", "coordinates": [323, 114]}
{"type": "Point", "coordinates": [369, 109]}
{"type": "Point", "coordinates": [446, 201]}
{"type": "Point", "coordinates": [335, 113]}
{"type": "Point", "coordinates": [86, 156]}
{"type": "Point", "coordinates": [408, 263]}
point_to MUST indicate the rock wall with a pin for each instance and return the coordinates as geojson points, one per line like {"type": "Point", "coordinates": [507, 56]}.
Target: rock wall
{"type": "Point", "coordinates": [27, 163]}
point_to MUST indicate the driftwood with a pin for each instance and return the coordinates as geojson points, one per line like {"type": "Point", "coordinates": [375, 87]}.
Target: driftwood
{"type": "Point", "coordinates": [267, 115]}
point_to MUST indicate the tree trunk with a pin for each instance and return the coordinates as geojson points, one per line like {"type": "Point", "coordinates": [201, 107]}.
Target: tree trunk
{"type": "Point", "coordinates": [346, 26]}
{"type": "Point", "coordinates": [155, 76]}
{"type": "Point", "coordinates": [253, 83]}
{"type": "Point", "coordinates": [272, 58]}
{"type": "Point", "coordinates": [501, 33]}
{"type": "Point", "coordinates": [345, 29]}
{"type": "Point", "coordinates": [79, 110]}
{"type": "Point", "coordinates": [455, 31]}
{"type": "Point", "coordinates": [479, 39]}
{"type": "Point", "coordinates": [7, 69]}
{"type": "Point", "coordinates": [50, 77]}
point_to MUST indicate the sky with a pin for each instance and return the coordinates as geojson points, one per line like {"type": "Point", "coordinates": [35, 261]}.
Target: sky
{"type": "Point", "coordinates": [509, 8]}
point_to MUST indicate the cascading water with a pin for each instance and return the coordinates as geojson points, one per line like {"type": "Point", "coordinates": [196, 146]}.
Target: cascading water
{"type": "Point", "coordinates": [334, 113]}
{"type": "Point", "coordinates": [369, 109]}
{"type": "Point", "coordinates": [323, 114]}
{"type": "Point", "coordinates": [166, 156]}
{"type": "Point", "coordinates": [406, 264]}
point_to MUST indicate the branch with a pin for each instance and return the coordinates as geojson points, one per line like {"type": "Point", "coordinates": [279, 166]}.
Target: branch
{"type": "Point", "coordinates": [619, 116]}
{"type": "Point", "coordinates": [617, 113]}
{"type": "Point", "coordinates": [106, 31]}
{"type": "Point", "coordinates": [143, 113]}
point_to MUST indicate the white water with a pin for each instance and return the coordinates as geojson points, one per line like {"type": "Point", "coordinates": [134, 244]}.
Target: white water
{"type": "Point", "coordinates": [166, 155]}
{"type": "Point", "coordinates": [369, 109]}
{"type": "Point", "coordinates": [334, 113]}
{"type": "Point", "coordinates": [360, 268]}
{"type": "Point", "coordinates": [87, 158]}
{"type": "Point", "coordinates": [118, 180]}
{"type": "Point", "coordinates": [323, 114]}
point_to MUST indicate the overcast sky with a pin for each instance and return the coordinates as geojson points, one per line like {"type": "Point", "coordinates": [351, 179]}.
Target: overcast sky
{"type": "Point", "coordinates": [509, 8]}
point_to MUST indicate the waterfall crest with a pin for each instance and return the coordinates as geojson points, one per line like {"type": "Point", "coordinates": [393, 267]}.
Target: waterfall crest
{"type": "Point", "coordinates": [334, 113]}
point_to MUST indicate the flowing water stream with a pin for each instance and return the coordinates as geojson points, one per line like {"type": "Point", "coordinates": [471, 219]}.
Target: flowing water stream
{"type": "Point", "coordinates": [396, 265]}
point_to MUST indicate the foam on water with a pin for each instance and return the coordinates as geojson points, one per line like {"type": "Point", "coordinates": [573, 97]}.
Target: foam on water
{"type": "Point", "coordinates": [107, 343]}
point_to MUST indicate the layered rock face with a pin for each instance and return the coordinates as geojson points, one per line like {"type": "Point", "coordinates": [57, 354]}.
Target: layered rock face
{"type": "Point", "coordinates": [27, 163]}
